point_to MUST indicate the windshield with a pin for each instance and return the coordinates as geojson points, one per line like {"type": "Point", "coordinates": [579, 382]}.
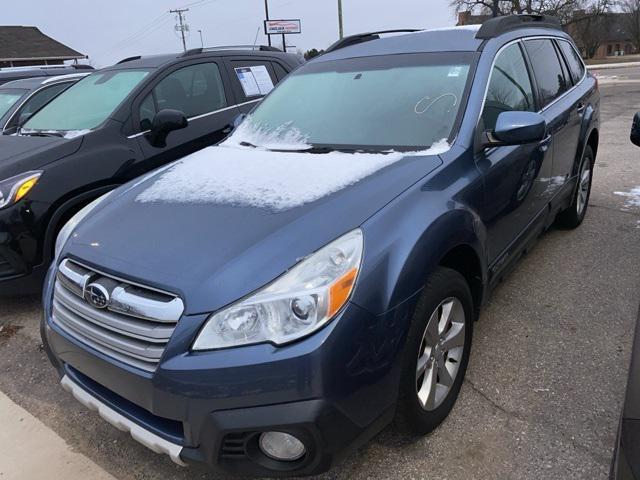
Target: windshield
{"type": "Point", "coordinates": [388, 102]}
{"type": "Point", "coordinates": [88, 103]}
{"type": "Point", "coordinates": [8, 98]}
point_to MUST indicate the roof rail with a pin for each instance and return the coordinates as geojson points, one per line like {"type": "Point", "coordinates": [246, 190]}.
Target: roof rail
{"type": "Point", "coordinates": [499, 25]}
{"type": "Point", "coordinates": [261, 48]}
{"type": "Point", "coordinates": [365, 37]}
{"type": "Point", "coordinates": [129, 59]}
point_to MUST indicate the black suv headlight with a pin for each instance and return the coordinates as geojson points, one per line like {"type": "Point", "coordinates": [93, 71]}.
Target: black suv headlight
{"type": "Point", "coordinates": [14, 189]}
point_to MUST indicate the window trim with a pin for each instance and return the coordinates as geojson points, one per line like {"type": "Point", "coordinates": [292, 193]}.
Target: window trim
{"type": "Point", "coordinates": [29, 96]}
{"type": "Point", "coordinates": [584, 66]}
{"type": "Point", "coordinates": [521, 41]}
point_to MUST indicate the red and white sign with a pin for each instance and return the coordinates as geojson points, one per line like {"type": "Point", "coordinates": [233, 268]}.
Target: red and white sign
{"type": "Point", "coordinates": [282, 27]}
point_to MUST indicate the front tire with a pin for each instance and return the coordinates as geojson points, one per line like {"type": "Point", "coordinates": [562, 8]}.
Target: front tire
{"type": "Point", "coordinates": [573, 216]}
{"type": "Point", "coordinates": [436, 352]}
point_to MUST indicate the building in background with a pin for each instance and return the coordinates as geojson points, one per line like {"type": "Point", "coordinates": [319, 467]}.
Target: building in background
{"type": "Point", "coordinates": [609, 31]}
{"type": "Point", "coordinates": [27, 46]}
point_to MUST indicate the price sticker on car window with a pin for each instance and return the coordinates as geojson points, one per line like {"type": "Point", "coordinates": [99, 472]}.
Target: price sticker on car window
{"type": "Point", "coordinates": [255, 80]}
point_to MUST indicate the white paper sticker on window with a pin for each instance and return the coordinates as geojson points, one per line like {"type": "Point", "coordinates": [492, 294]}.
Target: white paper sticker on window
{"type": "Point", "coordinates": [255, 80]}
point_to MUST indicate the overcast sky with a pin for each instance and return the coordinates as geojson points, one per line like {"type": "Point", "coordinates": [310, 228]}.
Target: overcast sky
{"type": "Point", "coordinates": [110, 30]}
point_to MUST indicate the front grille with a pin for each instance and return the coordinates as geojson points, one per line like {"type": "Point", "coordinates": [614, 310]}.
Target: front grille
{"type": "Point", "coordinates": [124, 321]}
{"type": "Point", "coordinates": [234, 445]}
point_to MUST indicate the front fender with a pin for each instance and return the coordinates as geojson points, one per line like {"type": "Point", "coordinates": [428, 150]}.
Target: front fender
{"type": "Point", "coordinates": [408, 238]}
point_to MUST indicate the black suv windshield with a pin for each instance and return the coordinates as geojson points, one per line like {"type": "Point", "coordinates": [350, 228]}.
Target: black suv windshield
{"type": "Point", "coordinates": [88, 103]}
{"type": "Point", "coordinates": [408, 101]}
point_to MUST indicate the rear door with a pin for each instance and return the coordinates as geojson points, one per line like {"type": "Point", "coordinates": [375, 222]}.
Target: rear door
{"type": "Point", "coordinates": [514, 175]}
{"type": "Point", "coordinates": [252, 78]}
{"type": "Point", "coordinates": [576, 104]}
{"type": "Point", "coordinates": [553, 85]}
{"type": "Point", "coordinates": [201, 90]}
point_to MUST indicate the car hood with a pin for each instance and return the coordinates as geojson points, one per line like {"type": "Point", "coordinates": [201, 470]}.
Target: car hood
{"type": "Point", "coordinates": [19, 154]}
{"type": "Point", "coordinates": [224, 222]}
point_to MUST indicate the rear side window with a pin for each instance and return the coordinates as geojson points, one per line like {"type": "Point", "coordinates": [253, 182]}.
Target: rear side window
{"type": "Point", "coordinates": [547, 69]}
{"type": "Point", "coordinates": [253, 78]}
{"type": "Point", "coordinates": [576, 66]}
{"type": "Point", "coordinates": [510, 87]}
{"type": "Point", "coordinates": [194, 90]}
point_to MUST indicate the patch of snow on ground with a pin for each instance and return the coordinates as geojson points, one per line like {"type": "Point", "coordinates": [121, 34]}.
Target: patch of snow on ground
{"type": "Point", "coordinates": [261, 178]}
{"type": "Point", "coordinates": [632, 196]}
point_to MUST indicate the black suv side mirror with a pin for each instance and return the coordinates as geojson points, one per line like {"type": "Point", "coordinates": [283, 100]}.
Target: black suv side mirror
{"type": "Point", "coordinates": [635, 130]}
{"type": "Point", "coordinates": [165, 122]}
{"type": "Point", "coordinates": [517, 128]}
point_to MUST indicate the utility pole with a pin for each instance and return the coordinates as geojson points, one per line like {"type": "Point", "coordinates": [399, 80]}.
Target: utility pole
{"type": "Point", "coordinates": [340, 25]}
{"type": "Point", "coordinates": [266, 11]}
{"type": "Point", "coordinates": [183, 26]}
{"type": "Point", "coordinates": [495, 8]}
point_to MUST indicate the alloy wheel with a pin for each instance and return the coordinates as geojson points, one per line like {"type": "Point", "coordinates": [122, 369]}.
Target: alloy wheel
{"type": "Point", "coordinates": [583, 186]}
{"type": "Point", "coordinates": [440, 353]}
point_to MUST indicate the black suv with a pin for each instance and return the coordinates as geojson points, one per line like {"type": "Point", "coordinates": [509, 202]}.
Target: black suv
{"type": "Point", "coordinates": [111, 127]}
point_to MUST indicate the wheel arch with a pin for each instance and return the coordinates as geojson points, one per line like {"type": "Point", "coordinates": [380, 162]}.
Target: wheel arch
{"type": "Point", "coordinates": [64, 212]}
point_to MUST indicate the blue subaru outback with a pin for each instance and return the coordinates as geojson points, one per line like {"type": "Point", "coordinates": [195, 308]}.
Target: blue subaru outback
{"type": "Point", "coordinates": [266, 305]}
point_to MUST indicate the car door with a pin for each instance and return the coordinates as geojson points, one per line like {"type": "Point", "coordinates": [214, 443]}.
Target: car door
{"type": "Point", "coordinates": [34, 103]}
{"type": "Point", "coordinates": [198, 89]}
{"type": "Point", "coordinates": [563, 162]}
{"type": "Point", "coordinates": [553, 85]}
{"type": "Point", "coordinates": [513, 175]}
{"type": "Point", "coordinates": [251, 78]}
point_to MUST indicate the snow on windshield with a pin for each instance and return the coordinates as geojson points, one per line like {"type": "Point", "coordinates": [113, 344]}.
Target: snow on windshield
{"type": "Point", "coordinates": [258, 177]}
{"type": "Point", "coordinates": [285, 137]}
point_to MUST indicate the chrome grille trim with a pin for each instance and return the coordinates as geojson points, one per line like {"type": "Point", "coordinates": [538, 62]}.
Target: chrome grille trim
{"type": "Point", "coordinates": [133, 327]}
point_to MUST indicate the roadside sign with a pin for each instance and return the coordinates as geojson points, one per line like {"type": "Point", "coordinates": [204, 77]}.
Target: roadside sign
{"type": "Point", "coordinates": [282, 27]}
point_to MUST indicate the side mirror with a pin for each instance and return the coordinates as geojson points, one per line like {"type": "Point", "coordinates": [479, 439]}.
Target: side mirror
{"type": "Point", "coordinates": [165, 122]}
{"type": "Point", "coordinates": [517, 128]}
{"type": "Point", "coordinates": [635, 130]}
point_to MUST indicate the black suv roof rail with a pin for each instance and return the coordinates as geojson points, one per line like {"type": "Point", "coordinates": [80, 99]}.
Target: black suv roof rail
{"type": "Point", "coordinates": [365, 37]}
{"type": "Point", "coordinates": [260, 48]}
{"type": "Point", "coordinates": [499, 25]}
{"type": "Point", "coordinates": [129, 59]}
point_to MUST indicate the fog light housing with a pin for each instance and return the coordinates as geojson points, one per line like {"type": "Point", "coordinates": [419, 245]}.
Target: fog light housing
{"type": "Point", "coordinates": [281, 446]}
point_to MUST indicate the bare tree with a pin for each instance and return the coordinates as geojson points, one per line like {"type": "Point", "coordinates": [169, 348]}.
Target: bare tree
{"type": "Point", "coordinates": [632, 20]}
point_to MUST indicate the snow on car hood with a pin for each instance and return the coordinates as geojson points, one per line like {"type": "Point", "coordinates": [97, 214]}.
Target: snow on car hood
{"type": "Point", "coordinates": [276, 180]}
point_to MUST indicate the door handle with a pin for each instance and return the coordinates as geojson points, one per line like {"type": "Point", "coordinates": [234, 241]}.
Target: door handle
{"type": "Point", "coordinates": [581, 108]}
{"type": "Point", "coordinates": [544, 144]}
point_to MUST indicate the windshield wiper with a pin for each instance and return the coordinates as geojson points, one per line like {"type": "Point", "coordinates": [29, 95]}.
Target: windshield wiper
{"type": "Point", "coordinates": [42, 134]}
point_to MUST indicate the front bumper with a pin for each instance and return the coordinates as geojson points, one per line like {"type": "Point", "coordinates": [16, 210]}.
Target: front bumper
{"type": "Point", "coordinates": [333, 390]}
{"type": "Point", "coordinates": [20, 272]}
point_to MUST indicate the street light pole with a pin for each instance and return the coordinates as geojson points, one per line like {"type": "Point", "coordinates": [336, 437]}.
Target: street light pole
{"type": "Point", "coordinates": [201, 41]}
{"type": "Point", "coordinates": [266, 11]}
{"type": "Point", "coordinates": [340, 24]}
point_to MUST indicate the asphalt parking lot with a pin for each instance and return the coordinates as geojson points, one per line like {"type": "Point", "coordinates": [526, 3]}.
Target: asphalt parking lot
{"type": "Point", "coordinates": [546, 380]}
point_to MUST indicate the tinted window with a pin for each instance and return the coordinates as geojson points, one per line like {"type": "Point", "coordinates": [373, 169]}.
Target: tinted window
{"type": "Point", "coordinates": [547, 69]}
{"type": "Point", "coordinates": [88, 103]}
{"type": "Point", "coordinates": [573, 60]}
{"type": "Point", "coordinates": [280, 71]}
{"type": "Point", "coordinates": [194, 90]}
{"type": "Point", "coordinates": [509, 88]}
{"type": "Point", "coordinates": [43, 97]}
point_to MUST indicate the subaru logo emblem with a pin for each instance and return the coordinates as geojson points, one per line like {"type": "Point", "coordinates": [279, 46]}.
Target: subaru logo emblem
{"type": "Point", "coordinates": [96, 295]}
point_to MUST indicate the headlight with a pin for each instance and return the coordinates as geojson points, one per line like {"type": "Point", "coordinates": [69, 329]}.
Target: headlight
{"type": "Point", "coordinates": [296, 304]}
{"type": "Point", "coordinates": [14, 189]}
{"type": "Point", "coordinates": [71, 225]}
